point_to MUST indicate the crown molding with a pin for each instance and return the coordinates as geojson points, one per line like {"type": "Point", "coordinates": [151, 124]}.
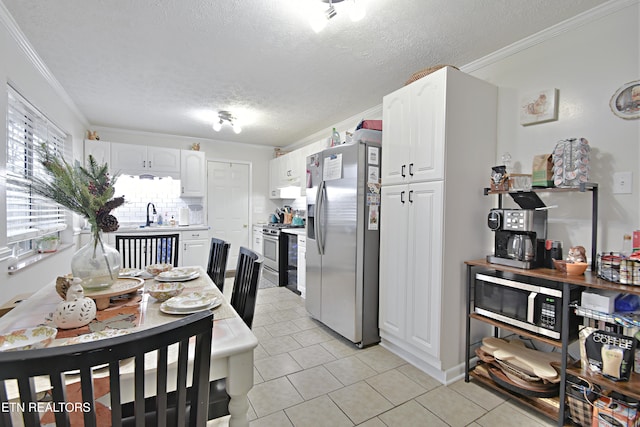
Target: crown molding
{"type": "Point", "coordinates": [32, 56]}
{"type": "Point", "coordinates": [549, 33]}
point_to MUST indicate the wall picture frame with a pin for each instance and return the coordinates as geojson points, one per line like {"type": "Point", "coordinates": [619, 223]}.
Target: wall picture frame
{"type": "Point", "coordinates": [625, 102]}
{"type": "Point", "coordinates": [539, 107]}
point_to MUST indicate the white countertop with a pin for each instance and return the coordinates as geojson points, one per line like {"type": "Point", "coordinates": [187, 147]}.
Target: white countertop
{"type": "Point", "coordinates": [130, 228]}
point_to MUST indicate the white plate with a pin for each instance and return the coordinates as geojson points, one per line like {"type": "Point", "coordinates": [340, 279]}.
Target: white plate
{"type": "Point", "coordinates": [95, 336]}
{"type": "Point", "coordinates": [190, 301]}
{"type": "Point", "coordinates": [27, 338]}
{"type": "Point", "coordinates": [130, 272]}
{"type": "Point", "coordinates": [177, 273]}
{"type": "Point", "coordinates": [169, 310]}
{"type": "Point", "coordinates": [178, 279]}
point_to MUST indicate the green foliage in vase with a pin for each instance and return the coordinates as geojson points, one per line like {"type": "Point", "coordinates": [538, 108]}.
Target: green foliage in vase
{"type": "Point", "coordinates": [86, 191]}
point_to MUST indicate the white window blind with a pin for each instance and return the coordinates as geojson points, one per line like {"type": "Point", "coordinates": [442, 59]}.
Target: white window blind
{"type": "Point", "coordinates": [29, 216]}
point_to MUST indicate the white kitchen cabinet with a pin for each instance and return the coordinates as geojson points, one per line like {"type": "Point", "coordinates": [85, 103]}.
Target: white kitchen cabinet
{"type": "Point", "coordinates": [438, 143]}
{"type": "Point", "coordinates": [131, 159]}
{"type": "Point", "coordinates": [193, 174]}
{"type": "Point", "coordinates": [302, 265]}
{"type": "Point", "coordinates": [256, 246]}
{"type": "Point", "coordinates": [414, 131]}
{"type": "Point", "coordinates": [194, 248]}
{"type": "Point", "coordinates": [285, 175]}
{"type": "Point", "coordinates": [100, 150]}
{"type": "Point", "coordinates": [411, 245]}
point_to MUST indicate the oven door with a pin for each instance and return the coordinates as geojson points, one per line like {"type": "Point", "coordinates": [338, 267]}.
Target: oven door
{"type": "Point", "coordinates": [270, 251]}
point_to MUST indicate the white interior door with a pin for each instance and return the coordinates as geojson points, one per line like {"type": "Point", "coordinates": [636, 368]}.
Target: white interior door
{"type": "Point", "coordinates": [228, 205]}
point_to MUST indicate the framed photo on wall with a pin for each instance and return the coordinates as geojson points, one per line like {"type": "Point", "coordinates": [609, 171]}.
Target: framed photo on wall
{"type": "Point", "coordinates": [625, 103]}
{"type": "Point", "coordinates": [539, 107]}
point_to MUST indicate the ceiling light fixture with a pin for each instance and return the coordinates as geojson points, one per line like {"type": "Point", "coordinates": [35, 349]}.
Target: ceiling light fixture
{"type": "Point", "coordinates": [225, 116]}
{"type": "Point", "coordinates": [319, 21]}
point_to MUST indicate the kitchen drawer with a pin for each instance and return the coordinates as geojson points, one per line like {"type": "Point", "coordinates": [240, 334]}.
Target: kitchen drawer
{"type": "Point", "coordinates": [194, 235]}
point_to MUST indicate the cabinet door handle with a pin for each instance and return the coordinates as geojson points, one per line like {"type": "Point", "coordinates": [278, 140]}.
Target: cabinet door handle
{"type": "Point", "coordinates": [183, 189]}
{"type": "Point", "coordinates": [402, 196]}
{"type": "Point", "coordinates": [411, 169]}
{"type": "Point", "coordinates": [402, 171]}
{"type": "Point", "coordinates": [410, 196]}
{"type": "Point", "coordinates": [144, 163]}
{"type": "Point", "coordinates": [149, 164]}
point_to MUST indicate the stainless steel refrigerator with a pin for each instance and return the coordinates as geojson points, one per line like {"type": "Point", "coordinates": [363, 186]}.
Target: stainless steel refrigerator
{"type": "Point", "coordinates": [343, 206]}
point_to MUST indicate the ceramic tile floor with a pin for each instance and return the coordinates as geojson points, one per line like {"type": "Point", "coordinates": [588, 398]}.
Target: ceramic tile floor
{"type": "Point", "coordinates": [307, 375]}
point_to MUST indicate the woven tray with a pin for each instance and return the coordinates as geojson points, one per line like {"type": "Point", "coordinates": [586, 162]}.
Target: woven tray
{"type": "Point", "coordinates": [425, 72]}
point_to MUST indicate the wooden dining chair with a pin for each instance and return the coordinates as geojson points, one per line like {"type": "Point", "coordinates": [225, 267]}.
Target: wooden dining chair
{"type": "Point", "coordinates": [50, 364]}
{"type": "Point", "coordinates": [217, 266]}
{"type": "Point", "coordinates": [243, 300]}
{"type": "Point", "coordinates": [245, 284]}
{"type": "Point", "coordinates": [140, 250]}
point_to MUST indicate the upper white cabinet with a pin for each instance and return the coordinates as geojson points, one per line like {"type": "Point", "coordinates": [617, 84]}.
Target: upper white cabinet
{"type": "Point", "coordinates": [140, 159]}
{"type": "Point", "coordinates": [100, 150]}
{"type": "Point", "coordinates": [193, 175]}
{"type": "Point", "coordinates": [290, 170]}
{"type": "Point", "coordinates": [414, 131]}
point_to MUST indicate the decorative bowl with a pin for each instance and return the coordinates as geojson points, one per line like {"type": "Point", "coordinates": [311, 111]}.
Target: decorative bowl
{"type": "Point", "coordinates": [165, 290]}
{"type": "Point", "coordinates": [28, 338]}
{"type": "Point", "coordinates": [155, 269]}
{"type": "Point", "coordinates": [576, 268]}
{"type": "Point", "coordinates": [570, 268]}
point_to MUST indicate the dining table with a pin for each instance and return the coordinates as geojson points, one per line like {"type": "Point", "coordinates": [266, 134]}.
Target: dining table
{"type": "Point", "coordinates": [232, 346]}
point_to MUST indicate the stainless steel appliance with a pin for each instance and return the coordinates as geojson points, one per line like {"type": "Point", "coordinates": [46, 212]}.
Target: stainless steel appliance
{"type": "Point", "coordinates": [520, 234]}
{"type": "Point", "coordinates": [343, 198]}
{"type": "Point", "coordinates": [528, 303]}
{"type": "Point", "coordinates": [271, 252]}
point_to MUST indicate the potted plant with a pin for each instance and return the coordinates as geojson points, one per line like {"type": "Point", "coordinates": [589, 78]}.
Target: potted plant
{"type": "Point", "coordinates": [48, 244]}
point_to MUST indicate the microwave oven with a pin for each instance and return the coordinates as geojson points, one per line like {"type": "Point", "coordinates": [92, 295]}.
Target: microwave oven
{"type": "Point", "coordinates": [527, 303]}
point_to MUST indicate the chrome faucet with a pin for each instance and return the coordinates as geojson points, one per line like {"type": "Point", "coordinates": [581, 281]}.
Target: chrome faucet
{"type": "Point", "coordinates": [150, 220]}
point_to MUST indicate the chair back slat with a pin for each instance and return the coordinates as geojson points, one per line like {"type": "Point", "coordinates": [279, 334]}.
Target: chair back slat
{"type": "Point", "coordinates": [138, 251]}
{"type": "Point", "coordinates": [217, 265]}
{"type": "Point", "coordinates": [53, 362]}
{"type": "Point", "coordinates": [245, 284]}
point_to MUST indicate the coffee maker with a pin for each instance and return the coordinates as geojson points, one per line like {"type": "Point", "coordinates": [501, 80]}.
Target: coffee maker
{"type": "Point", "coordinates": [520, 234]}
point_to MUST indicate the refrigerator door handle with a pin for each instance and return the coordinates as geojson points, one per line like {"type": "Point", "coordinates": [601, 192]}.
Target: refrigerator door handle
{"type": "Point", "coordinates": [318, 222]}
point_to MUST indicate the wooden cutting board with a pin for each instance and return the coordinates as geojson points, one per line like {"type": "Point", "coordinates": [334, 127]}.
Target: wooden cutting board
{"type": "Point", "coordinates": [536, 362]}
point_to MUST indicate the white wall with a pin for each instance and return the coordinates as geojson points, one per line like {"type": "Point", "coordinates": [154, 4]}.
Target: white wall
{"type": "Point", "coordinates": [16, 67]}
{"type": "Point", "coordinates": [587, 64]}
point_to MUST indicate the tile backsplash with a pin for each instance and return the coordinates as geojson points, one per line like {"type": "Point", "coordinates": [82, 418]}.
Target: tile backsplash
{"type": "Point", "coordinates": [164, 193]}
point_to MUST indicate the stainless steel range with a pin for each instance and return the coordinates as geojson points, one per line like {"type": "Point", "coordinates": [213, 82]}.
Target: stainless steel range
{"type": "Point", "coordinates": [274, 251]}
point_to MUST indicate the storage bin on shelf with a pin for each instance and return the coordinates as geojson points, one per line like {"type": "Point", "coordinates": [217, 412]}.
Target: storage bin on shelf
{"type": "Point", "coordinates": [615, 267]}
{"type": "Point", "coordinates": [580, 396]}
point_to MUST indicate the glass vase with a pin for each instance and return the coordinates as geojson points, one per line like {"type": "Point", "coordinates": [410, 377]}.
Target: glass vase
{"type": "Point", "coordinates": [97, 264]}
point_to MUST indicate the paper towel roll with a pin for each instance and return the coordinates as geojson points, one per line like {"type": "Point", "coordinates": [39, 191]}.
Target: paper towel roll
{"type": "Point", "coordinates": [183, 216]}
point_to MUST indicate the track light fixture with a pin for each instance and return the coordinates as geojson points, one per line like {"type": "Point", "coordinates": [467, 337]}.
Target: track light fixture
{"type": "Point", "coordinates": [319, 20]}
{"type": "Point", "coordinates": [225, 116]}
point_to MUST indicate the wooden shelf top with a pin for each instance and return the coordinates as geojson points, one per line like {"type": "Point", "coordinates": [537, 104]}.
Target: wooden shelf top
{"type": "Point", "coordinates": [589, 279]}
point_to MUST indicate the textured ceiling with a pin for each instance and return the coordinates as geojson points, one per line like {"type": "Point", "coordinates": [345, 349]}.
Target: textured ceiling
{"type": "Point", "coordinates": [166, 65]}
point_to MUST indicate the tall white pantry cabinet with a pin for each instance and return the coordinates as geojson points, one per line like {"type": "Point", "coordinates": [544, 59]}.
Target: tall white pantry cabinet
{"type": "Point", "coordinates": [438, 148]}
